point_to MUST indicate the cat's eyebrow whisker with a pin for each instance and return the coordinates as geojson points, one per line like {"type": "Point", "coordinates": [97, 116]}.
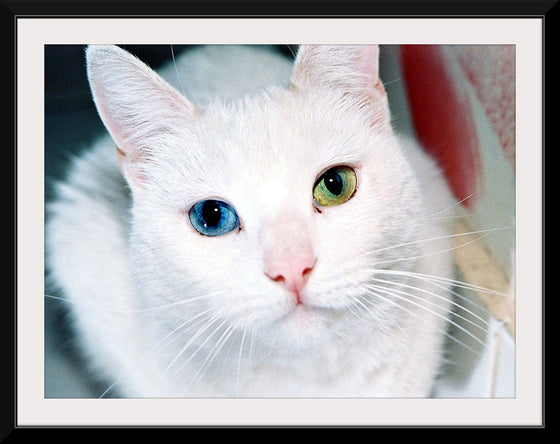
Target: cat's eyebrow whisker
{"type": "Point", "coordinates": [176, 70]}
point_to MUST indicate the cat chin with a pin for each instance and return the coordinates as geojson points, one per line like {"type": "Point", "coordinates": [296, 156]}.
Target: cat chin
{"type": "Point", "coordinates": [302, 327]}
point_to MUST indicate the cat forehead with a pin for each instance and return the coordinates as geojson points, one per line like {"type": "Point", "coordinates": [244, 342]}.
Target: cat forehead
{"type": "Point", "coordinates": [284, 129]}
{"type": "Point", "coordinates": [273, 144]}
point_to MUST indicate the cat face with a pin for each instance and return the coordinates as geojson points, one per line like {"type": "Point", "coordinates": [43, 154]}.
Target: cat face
{"type": "Point", "coordinates": [268, 212]}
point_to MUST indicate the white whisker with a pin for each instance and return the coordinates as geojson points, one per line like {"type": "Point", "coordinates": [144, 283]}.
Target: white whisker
{"type": "Point", "coordinates": [410, 312]}
{"type": "Point", "coordinates": [375, 316]}
{"type": "Point", "coordinates": [176, 329]}
{"type": "Point", "coordinates": [143, 310]}
{"type": "Point", "coordinates": [455, 216]}
{"type": "Point", "coordinates": [237, 384]}
{"type": "Point", "coordinates": [193, 338]}
{"type": "Point", "coordinates": [435, 278]}
{"type": "Point", "coordinates": [420, 256]}
{"type": "Point", "coordinates": [160, 343]}
{"type": "Point", "coordinates": [453, 303]}
{"type": "Point", "coordinates": [456, 204]}
{"type": "Point", "coordinates": [445, 315]}
{"type": "Point", "coordinates": [176, 70]}
{"type": "Point", "coordinates": [484, 232]}
{"type": "Point", "coordinates": [214, 351]}
{"type": "Point", "coordinates": [108, 389]}
{"type": "Point", "coordinates": [200, 347]}
{"type": "Point", "coordinates": [252, 344]}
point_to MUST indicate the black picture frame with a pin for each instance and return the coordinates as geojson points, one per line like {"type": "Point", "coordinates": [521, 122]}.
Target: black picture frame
{"type": "Point", "coordinates": [12, 11]}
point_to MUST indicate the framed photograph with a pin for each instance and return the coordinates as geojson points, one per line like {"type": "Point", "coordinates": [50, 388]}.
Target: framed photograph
{"type": "Point", "coordinates": [331, 219]}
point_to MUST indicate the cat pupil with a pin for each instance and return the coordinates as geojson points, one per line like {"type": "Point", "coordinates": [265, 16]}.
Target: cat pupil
{"type": "Point", "coordinates": [211, 213]}
{"type": "Point", "coordinates": [333, 182]}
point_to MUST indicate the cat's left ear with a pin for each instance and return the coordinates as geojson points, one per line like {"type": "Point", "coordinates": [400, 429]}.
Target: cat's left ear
{"type": "Point", "coordinates": [351, 69]}
{"type": "Point", "coordinates": [137, 106]}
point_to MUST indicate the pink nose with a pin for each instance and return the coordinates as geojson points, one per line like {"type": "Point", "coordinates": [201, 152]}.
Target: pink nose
{"type": "Point", "coordinates": [292, 272]}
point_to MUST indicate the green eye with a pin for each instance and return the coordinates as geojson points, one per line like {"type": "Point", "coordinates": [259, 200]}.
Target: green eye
{"type": "Point", "coordinates": [335, 186]}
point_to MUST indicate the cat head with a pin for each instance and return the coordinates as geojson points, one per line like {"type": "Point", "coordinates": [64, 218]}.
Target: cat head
{"type": "Point", "coordinates": [266, 212]}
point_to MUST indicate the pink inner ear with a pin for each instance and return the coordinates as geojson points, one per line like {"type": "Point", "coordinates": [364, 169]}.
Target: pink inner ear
{"type": "Point", "coordinates": [135, 104]}
{"type": "Point", "coordinates": [121, 157]}
{"type": "Point", "coordinates": [370, 61]}
{"type": "Point", "coordinates": [132, 175]}
{"type": "Point", "coordinates": [370, 67]}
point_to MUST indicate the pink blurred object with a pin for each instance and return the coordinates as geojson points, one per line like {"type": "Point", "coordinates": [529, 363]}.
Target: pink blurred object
{"type": "Point", "coordinates": [441, 83]}
{"type": "Point", "coordinates": [461, 104]}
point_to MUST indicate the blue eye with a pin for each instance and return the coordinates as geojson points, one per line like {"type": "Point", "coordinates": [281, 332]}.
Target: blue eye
{"type": "Point", "coordinates": [213, 217]}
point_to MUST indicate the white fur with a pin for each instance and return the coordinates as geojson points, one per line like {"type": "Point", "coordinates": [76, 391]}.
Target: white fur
{"type": "Point", "coordinates": [134, 269]}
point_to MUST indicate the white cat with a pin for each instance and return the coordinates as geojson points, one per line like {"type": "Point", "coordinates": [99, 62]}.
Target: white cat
{"type": "Point", "coordinates": [262, 246]}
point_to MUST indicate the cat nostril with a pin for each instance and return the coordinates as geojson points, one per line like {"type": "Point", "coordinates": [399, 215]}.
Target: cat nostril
{"type": "Point", "coordinates": [291, 275]}
{"type": "Point", "coordinates": [278, 278]}
{"type": "Point", "coordinates": [306, 272]}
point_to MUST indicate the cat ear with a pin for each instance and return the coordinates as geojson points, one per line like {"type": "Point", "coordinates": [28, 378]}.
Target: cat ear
{"type": "Point", "coordinates": [136, 105]}
{"type": "Point", "coordinates": [351, 69]}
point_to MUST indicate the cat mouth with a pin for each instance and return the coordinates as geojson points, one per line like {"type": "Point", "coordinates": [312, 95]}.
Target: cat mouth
{"type": "Point", "coordinates": [309, 310]}
{"type": "Point", "coordinates": [304, 325]}
{"type": "Point", "coordinates": [328, 302]}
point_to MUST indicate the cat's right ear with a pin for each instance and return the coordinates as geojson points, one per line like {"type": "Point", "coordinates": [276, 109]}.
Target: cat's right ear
{"type": "Point", "coordinates": [136, 105]}
{"type": "Point", "coordinates": [353, 70]}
